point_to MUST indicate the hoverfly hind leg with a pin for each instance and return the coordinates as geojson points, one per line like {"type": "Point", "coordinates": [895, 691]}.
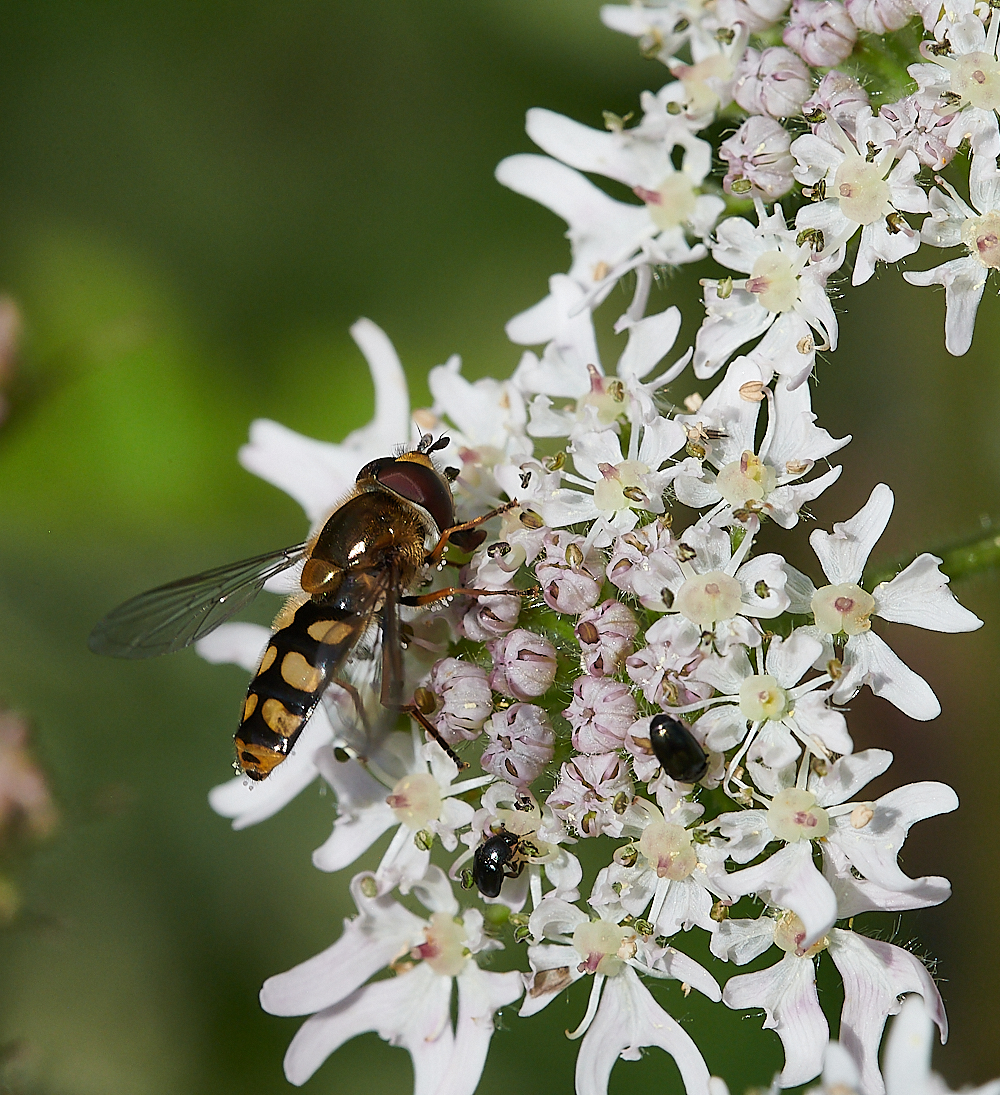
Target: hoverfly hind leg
{"type": "Point", "coordinates": [414, 712]}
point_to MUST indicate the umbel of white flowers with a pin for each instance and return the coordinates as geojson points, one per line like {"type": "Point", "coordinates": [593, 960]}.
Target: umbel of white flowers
{"type": "Point", "coordinates": [644, 615]}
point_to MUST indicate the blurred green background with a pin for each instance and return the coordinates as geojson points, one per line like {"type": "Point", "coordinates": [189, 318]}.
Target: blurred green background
{"type": "Point", "coordinates": [196, 200]}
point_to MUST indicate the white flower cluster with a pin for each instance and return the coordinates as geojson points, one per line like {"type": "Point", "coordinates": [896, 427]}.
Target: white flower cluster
{"type": "Point", "coordinates": [667, 692]}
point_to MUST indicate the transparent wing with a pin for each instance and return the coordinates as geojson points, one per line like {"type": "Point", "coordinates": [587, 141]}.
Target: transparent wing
{"type": "Point", "coordinates": [173, 616]}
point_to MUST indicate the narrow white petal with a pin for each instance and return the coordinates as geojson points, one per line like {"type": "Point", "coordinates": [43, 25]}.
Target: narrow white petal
{"type": "Point", "coordinates": [369, 943]}
{"type": "Point", "coordinates": [628, 1019]}
{"type": "Point", "coordinates": [869, 660]}
{"type": "Point", "coordinates": [480, 994]}
{"type": "Point", "coordinates": [844, 552]}
{"type": "Point", "coordinates": [787, 993]}
{"type": "Point", "coordinates": [875, 974]}
{"type": "Point", "coordinates": [411, 1010]}
{"type": "Point", "coordinates": [919, 595]}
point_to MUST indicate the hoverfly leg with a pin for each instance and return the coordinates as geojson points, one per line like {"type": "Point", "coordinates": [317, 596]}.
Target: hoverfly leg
{"type": "Point", "coordinates": [421, 599]}
{"type": "Point", "coordinates": [447, 534]}
{"type": "Point", "coordinates": [414, 712]}
{"type": "Point", "coordinates": [355, 696]}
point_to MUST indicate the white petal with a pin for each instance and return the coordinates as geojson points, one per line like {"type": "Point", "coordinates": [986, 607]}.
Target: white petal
{"type": "Point", "coordinates": [316, 474]}
{"type": "Point", "coordinates": [628, 1019]}
{"type": "Point", "coordinates": [787, 993]}
{"type": "Point", "coordinates": [873, 849]}
{"type": "Point", "coordinates": [649, 340]}
{"type": "Point", "coordinates": [844, 552]}
{"type": "Point", "coordinates": [363, 815]}
{"type": "Point", "coordinates": [629, 161]}
{"type": "Point", "coordinates": [410, 1010]}
{"type": "Point", "coordinates": [369, 943]}
{"type": "Point", "coordinates": [543, 990]}
{"type": "Point", "coordinates": [964, 280]}
{"type": "Point", "coordinates": [742, 941]}
{"type": "Point", "coordinates": [788, 660]}
{"type": "Point", "coordinates": [919, 595]}
{"type": "Point", "coordinates": [235, 644]}
{"type": "Point", "coordinates": [848, 775]}
{"type": "Point", "coordinates": [794, 883]}
{"type": "Point", "coordinates": [869, 660]}
{"type": "Point", "coordinates": [907, 1059]}
{"type": "Point", "coordinates": [875, 974]}
{"type": "Point", "coordinates": [858, 895]}
{"type": "Point", "coordinates": [480, 994]}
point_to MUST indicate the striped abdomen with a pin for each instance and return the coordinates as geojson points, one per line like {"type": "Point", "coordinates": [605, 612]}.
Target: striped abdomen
{"type": "Point", "coordinates": [298, 664]}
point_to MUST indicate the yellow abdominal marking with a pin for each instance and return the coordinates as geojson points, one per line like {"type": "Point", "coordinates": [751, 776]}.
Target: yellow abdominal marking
{"type": "Point", "coordinates": [268, 660]}
{"type": "Point", "coordinates": [297, 672]}
{"type": "Point", "coordinates": [250, 706]}
{"type": "Point", "coordinates": [261, 759]}
{"type": "Point", "coordinates": [279, 718]}
{"type": "Point", "coordinates": [329, 632]}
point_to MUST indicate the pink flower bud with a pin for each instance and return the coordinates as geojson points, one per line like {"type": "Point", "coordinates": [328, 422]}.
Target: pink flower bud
{"type": "Point", "coordinates": [839, 97]}
{"type": "Point", "coordinates": [593, 794]}
{"type": "Point", "coordinates": [759, 161]}
{"type": "Point", "coordinates": [645, 764]}
{"type": "Point", "coordinates": [663, 668]}
{"type": "Point", "coordinates": [462, 697]}
{"type": "Point", "coordinates": [879, 16]}
{"type": "Point", "coordinates": [601, 712]}
{"type": "Point", "coordinates": [920, 127]}
{"type": "Point", "coordinates": [642, 564]}
{"type": "Point", "coordinates": [567, 579]}
{"type": "Point", "coordinates": [524, 665]}
{"type": "Point", "coordinates": [488, 618]}
{"type": "Point", "coordinates": [606, 634]}
{"type": "Point", "coordinates": [755, 15]}
{"type": "Point", "coordinates": [521, 744]}
{"type": "Point", "coordinates": [820, 31]}
{"type": "Point", "coordinates": [774, 82]}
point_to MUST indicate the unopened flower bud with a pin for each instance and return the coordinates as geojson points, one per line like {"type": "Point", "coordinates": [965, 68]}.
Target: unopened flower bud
{"type": "Point", "coordinates": [838, 96]}
{"type": "Point", "coordinates": [524, 665]}
{"type": "Point", "coordinates": [880, 16]}
{"type": "Point", "coordinates": [601, 712]}
{"type": "Point", "coordinates": [820, 31]}
{"type": "Point", "coordinates": [461, 698]}
{"type": "Point", "coordinates": [774, 81]}
{"type": "Point", "coordinates": [490, 617]}
{"type": "Point", "coordinates": [567, 582]}
{"type": "Point", "coordinates": [606, 634]}
{"type": "Point", "coordinates": [759, 160]}
{"type": "Point", "coordinates": [521, 744]}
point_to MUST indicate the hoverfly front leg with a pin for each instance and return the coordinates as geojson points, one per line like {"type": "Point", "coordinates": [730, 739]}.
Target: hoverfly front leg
{"type": "Point", "coordinates": [447, 533]}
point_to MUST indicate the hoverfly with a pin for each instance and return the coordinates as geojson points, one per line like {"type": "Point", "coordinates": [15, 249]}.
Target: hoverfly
{"type": "Point", "coordinates": [383, 541]}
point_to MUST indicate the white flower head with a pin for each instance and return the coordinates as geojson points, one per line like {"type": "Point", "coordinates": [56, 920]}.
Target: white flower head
{"type": "Point", "coordinates": [863, 189]}
{"type": "Point", "coordinates": [429, 958]}
{"type": "Point", "coordinates": [918, 595]}
{"type": "Point", "coordinates": [975, 226]}
{"type": "Point", "coordinates": [739, 477]}
{"type": "Point", "coordinates": [783, 297]}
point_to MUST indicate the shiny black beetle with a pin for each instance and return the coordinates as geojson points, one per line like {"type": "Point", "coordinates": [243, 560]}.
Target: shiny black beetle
{"type": "Point", "coordinates": [497, 858]}
{"type": "Point", "coordinates": [677, 750]}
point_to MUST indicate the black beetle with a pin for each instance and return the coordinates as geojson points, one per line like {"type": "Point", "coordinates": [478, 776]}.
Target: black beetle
{"type": "Point", "coordinates": [495, 860]}
{"type": "Point", "coordinates": [677, 750]}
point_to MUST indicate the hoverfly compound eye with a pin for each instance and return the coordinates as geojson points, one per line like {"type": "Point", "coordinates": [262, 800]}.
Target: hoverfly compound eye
{"type": "Point", "coordinates": [373, 467]}
{"type": "Point", "coordinates": [421, 484]}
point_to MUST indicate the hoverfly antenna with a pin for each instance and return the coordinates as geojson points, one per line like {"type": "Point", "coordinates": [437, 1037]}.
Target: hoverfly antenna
{"type": "Point", "coordinates": [442, 443]}
{"type": "Point", "coordinates": [424, 444]}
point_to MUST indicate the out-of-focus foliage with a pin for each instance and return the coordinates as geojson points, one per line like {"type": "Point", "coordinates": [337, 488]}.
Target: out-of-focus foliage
{"type": "Point", "coordinates": [196, 200]}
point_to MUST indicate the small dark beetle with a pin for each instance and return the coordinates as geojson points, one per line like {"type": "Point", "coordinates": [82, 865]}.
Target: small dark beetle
{"type": "Point", "coordinates": [677, 750]}
{"type": "Point", "coordinates": [496, 858]}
